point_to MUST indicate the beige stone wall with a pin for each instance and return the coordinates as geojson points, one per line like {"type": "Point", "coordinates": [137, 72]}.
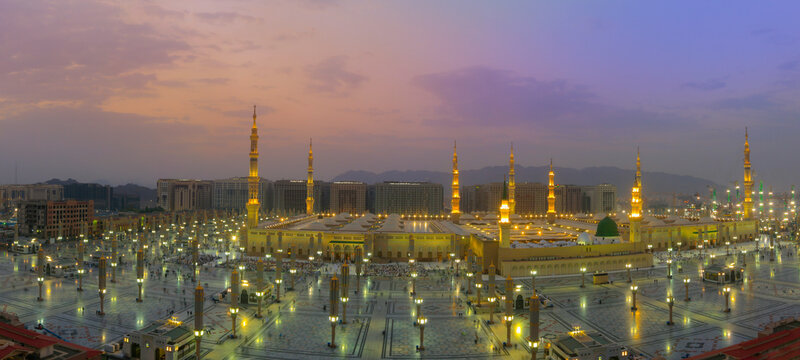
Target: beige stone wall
{"type": "Point", "coordinates": [573, 265]}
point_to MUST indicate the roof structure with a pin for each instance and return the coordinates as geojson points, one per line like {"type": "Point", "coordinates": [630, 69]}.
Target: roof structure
{"type": "Point", "coordinates": [782, 344]}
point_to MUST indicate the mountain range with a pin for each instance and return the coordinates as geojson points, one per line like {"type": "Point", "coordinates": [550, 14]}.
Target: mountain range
{"type": "Point", "coordinates": [653, 182]}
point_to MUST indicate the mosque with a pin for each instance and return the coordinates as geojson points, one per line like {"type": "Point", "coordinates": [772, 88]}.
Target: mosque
{"type": "Point", "coordinates": [514, 244]}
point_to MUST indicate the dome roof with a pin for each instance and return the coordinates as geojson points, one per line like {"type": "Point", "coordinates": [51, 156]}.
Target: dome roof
{"type": "Point", "coordinates": [607, 228]}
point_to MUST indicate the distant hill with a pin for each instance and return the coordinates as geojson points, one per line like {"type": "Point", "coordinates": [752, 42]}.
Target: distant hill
{"type": "Point", "coordinates": [654, 182]}
{"type": "Point", "coordinates": [146, 194]}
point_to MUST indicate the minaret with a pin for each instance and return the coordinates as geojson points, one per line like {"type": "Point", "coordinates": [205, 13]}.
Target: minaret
{"type": "Point", "coordinates": [455, 203]}
{"type": "Point", "coordinates": [310, 181]}
{"type": "Point", "coordinates": [748, 180]}
{"type": "Point", "coordinates": [504, 225]}
{"type": "Point", "coordinates": [511, 183]}
{"type": "Point", "coordinates": [551, 196]}
{"type": "Point", "coordinates": [635, 216]}
{"type": "Point", "coordinates": [252, 180]}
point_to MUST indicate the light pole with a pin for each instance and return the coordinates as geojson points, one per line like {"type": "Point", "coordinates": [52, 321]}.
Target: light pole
{"type": "Point", "coordinates": [669, 268]}
{"type": "Point", "coordinates": [40, 260]}
{"type": "Point", "coordinates": [478, 287]}
{"type": "Point", "coordinates": [101, 283]}
{"type": "Point", "coordinates": [492, 292]}
{"type": "Point", "coordinates": [686, 282]}
{"type": "Point", "coordinates": [292, 271]}
{"type": "Point", "coordinates": [533, 339]}
{"type": "Point", "coordinates": [199, 298]}
{"type": "Point", "coordinates": [344, 284]}
{"type": "Point", "coordinates": [234, 309]}
{"type": "Point", "coordinates": [114, 258]}
{"type": "Point", "coordinates": [80, 263]}
{"type": "Point", "coordinates": [744, 257]}
{"type": "Point", "coordinates": [583, 276]}
{"type": "Point", "coordinates": [679, 247]}
{"type": "Point", "coordinates": [139, 272]}
{"type": "Point", "coordinates": [533, 280]}
{"type": "Point", "coordinates": [628, 266]}
{"type": "Point", "coordinates": [278, 276]}
{"type": "Point", "coordinates": [727, 292]}
{"type": "Point", "coordinates": [509, 316]}
{"type": "Point", "coordinates": [670, 302]}
{"type": "Point", "coordinates": [634, 288]}
{"type": "Point", "coordinates": [333, 317]}
{"type": "Point", "coordinates": [491, 300]}
{"type": "Point", "coordinates": [259, 284]}
{"type": "Point", "coordinates": [469, 282]}
{"type": "Point", "coordinates": [421, 320]}
{"type": "Point", "coordinates": [414, 283]}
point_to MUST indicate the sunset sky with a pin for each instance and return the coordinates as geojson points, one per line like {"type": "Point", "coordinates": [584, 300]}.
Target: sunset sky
{"type": "Point", "coordinates": [132, 91]}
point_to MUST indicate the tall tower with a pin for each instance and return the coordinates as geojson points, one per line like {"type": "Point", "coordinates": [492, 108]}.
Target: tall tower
{"type": "Point", "coordinates": [551, 196]}
{"type": "Point", "coordinates": [504, 224]}
{"type": "Point", "coordinates": [635, 216]}
{"type": "Point", "coordinates": [252, 180]}
{"type": "Point", "coordinates": [748, 180]}
{"type": "Point", "coordinates": [455, 203]}
{"type": "Point", "coordinates": [310, 181]}
{"type": "Point", "coordinates": [511, 183]}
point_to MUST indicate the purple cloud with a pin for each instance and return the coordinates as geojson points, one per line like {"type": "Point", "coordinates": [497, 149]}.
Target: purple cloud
{"type": "Point", "coordinates": [331, 77]}
{"type": "Point", "coordinates": [707, 85]}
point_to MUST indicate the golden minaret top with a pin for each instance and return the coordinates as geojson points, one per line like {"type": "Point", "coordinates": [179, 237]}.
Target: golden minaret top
{"type": "Point", "coordinates": [310, 181]}
{"type": "Point", "coordinates": [748, 179]}
{"type": "Point", "coordinates": [512, 203]}
{"type": "Point", "coordinates": [455, 203]}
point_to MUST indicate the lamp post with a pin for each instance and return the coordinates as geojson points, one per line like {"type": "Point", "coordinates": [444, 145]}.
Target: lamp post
{"type": "Point", "coordinates": [509, 316]}
{"type": "Point", "coordinates": [278, 276]}
{"type": "Point", "coordinates": [80, 264]}
{"type": "Point", "coordinates": [727, 292]}
{"type": "Point", "coordinates": [333, 317]}
{"type": "Point", "coordinates": [259, 284]}
{"type": "Point", "coordinates": [670, 302]}
{"type": "Point", "coordinates": [491, 300]}
{"type": "Point", "coordinates": [669, 268]}
{"type": "Point", "coordinates": [234, 309]}
{"type": "Point", "coordinates": [679, 247]}
{"type": "Point", "coordinates": [478, 287]}
{"type": "Point", "coordinates": [469, 282]}
{"type": "Point", "coordinates": [533, 280]}
{"type": "Point", "coordinates": [414, 283]}
{"type": "Point", "coordinates": [421, 320]}
{"type": "Point", "coordinates": [418, 301]}
{"type": "Point", "coordinates": [492, 292]}
{"type": "Point", "coordinates": [344, 283]}
{"type": "Point", "coordinates": [686, 282]}
{"type": "Point", "coordinates": [101, 283]}
{"type": "Point", "coordinates": [199, 298]}
{"type": "Point", "coordinates": [583, 276]}
{"type": "Point", "coordinates": [634, 288]}
{"type": "Point", "coordinates": [628, 266]}
{"type": "Point", "coordinates": [744, 257]}
{"type": "Point", "coordinates": [40, 260]}
{"type": "Point", "coordinates": [533, 340]}
{"type": "Point", "coordinates": [114, 258]}
{"type": "Point", "coordinates": [139, 272]}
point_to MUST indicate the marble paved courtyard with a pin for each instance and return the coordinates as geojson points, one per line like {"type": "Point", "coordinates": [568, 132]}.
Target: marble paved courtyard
{"type": "Point", "coordinates": [380, 318]}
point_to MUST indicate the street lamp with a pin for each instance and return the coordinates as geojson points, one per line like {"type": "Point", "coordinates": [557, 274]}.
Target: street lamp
{"type": "Point", "coordinates": [727, 291]}
{"type": "Point", "coordinates": [533, 280]}
{"type": "Point", "coordinates": [508, 319]}
{"type": "Point", "coordinates": [669, 268]}
{"type": "Point", "coordinates": [534, 345]}
{"type": "Point", "coordinates": [421, 320]}
{"type": "Point", "coordinates": [686, 282]}
{"type": "Point", "coordinates": [670, 302]}
{"type": "Point", "coordinates": [292, 271]}
{"type": "Point", "coordinates": [634, 288]}
{"type": "Point", "coordinates": [478, 287]}
{"type": "Point", "coordinates": [492, 300]}
{"type": "Point", "coordinates": [744, 257]}
{"type": "Point", "coordinates": [413, 283]}
{"type": "Point", "coordinates": [628, 266]}
{"type": "Point", "coordinates": [583, 276]}
{"type": "Point", "coordinates": [40, 279]}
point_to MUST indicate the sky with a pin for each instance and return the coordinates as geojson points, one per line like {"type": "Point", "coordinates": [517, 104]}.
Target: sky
{"type": "Point", "coordinates": [133, 91]}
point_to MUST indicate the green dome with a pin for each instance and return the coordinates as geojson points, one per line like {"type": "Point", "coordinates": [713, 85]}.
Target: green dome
{"type": "Point", "coordinates": [607, 228]}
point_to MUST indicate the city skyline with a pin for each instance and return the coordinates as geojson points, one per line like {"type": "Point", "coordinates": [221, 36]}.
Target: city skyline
{"type": "Point", "coordinates": [582, 83]}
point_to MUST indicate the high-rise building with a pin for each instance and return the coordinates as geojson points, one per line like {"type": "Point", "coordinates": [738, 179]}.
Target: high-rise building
{"type": "Point", "coordinates": [551, 196]}
{"type": "Point", "coordinates": [289, 196]}
{"type": "Point", "coordinates": [46, 219]}
{"type": "Point", "coordinates": [310, 181]}
{"type": "Point", "coordinates": [11, 195]}
{"type": "Point", "coordinates": [599, 199]}
{"type": "Point", "coordinates": [348, 196]}
{"type": "Point", "coordinates": [568, 199]}
{"type": "Point", "coordinates": [100, 194]}
{"type": "Point", "coordinates": [512, 200]}
{"type": "Point", "coordinates": [181, 194]}
{"type": "Point", "coordinates": [531, 198]}
{"type": "Point", "coordinates": [233, 193]}
{"type": "Point", "coordinates": [422, 198]}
